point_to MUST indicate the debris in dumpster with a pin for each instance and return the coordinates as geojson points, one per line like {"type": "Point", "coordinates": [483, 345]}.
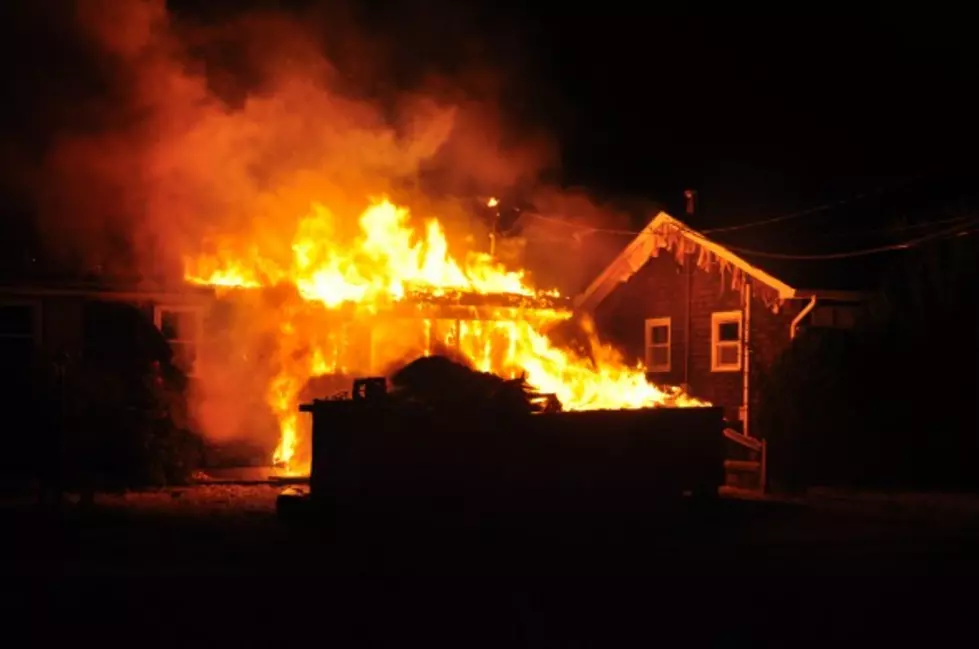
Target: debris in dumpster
{"type": "Point", "coordinates": [438, 382]}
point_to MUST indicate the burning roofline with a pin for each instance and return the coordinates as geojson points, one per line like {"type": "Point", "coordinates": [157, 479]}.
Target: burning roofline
{"type": "Point", "coordinates": [455, 305]}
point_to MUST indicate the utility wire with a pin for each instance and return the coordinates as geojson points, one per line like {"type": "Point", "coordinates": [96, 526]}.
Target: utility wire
{"type": "Point", "coordinates": [894, 229]}
{"type": "Point", "coordinates": [962, 227]}
{"type": "Point", "coordinates": [778, 219]}
{"type": "Point", "coordinates": [825, 207]}
{"type": "Point", "coordinates": [958, 230]}
{"type": "Point", "coordinates": [891, 229]}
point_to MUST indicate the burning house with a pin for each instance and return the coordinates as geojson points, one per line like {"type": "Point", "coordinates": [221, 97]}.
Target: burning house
{"type": "Point", "coordinates": [250, 177]}
{"type": "Point", "coordinates": [385, 297]}
{"type": "Point", "coordinates": [257, 334]}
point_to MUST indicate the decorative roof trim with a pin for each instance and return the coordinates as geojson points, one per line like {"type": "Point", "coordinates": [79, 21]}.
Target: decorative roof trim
{"type": "Point", "coordinates": [647, 244]}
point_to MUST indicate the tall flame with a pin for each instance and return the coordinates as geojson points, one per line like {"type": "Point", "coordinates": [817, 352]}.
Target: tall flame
{"type": "Point", "coordinates": [389, 265]}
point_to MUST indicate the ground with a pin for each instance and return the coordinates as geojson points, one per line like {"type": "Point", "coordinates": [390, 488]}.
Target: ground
{"type": "Point", "coordinates": [212, 564]}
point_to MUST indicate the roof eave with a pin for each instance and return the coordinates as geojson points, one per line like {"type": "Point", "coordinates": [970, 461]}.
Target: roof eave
{"type": "Point", "coordinates": [784, 291]}
{"type": "Point", "coordinates": [635, 255]}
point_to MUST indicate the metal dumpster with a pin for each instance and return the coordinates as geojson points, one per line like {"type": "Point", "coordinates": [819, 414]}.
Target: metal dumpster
{"type": "Point", "coordinates": [379, 457]}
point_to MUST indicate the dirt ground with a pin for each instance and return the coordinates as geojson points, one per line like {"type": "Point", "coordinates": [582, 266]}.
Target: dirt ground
{"type": "Point", "coordinates": [212, 564]}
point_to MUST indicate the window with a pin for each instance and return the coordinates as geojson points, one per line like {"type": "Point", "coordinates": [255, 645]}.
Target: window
{"type": "Point", "coordinates": [658, 345]}
{"type": "Point", "coordinates": [725, 341]}
{"type": "Point", "coordinates": [181, 327]}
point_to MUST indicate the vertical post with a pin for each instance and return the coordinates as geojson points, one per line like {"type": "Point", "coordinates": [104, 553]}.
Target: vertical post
{"type": "Point", "coordinates": [746, 356]}
{"type": "Point", "coordinates": [690, 196]}
{"type": "Point", "coordinates": [763, 478]}
{"type": "Point", "coordinates": [494, 204]}
{"type": "Point", "coordinates": [688, 327]}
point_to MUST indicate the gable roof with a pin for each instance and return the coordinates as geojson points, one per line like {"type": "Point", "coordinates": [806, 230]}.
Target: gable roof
{"type": "Point", "coordinates": [657, 235]}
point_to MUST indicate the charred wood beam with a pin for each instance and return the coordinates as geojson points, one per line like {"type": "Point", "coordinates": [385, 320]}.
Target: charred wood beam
{"type": "Point", "coordinates": [478, 307]}
{"type": "Point", "coordinates": [470, 312]}
{"type": "Point", "coordinates": [288, 480]}
{"type": "Point", "coordinates": [423, 303]}
{"type": "Point", "coordinates": [510, 300]}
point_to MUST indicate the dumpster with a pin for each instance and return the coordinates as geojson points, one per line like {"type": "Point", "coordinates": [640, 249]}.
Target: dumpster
{"type": "Point", "coordinates": [382, 458]}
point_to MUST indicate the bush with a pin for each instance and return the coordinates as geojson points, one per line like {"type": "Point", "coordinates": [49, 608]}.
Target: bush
{"type": "Point", "coordinates": [889, 405]}
{"type": "Point", "coordinates": [125, 422]}
{"type": "Point", "coordinates": [802, 397]}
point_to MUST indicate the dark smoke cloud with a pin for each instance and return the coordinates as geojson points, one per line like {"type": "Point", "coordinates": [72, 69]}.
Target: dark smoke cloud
{"type": "Point", "coordinates": [573, 220]}
{"type": "Point", "coordinates": [186, 129]}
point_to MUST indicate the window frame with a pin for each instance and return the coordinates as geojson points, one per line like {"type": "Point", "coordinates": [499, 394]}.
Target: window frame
{"type": "Point", "coordinates": [160, 309]}
{"type": "Point", "coordinates": [717, 319]}
{"type": "Point", "coordinates": [650, 324]}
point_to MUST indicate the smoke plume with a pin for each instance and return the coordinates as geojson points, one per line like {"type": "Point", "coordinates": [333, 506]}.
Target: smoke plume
{"type": "Point", "coordinates": [205, 129]}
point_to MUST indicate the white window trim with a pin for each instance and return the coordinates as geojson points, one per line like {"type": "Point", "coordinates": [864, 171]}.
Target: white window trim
{"type": "Point", "coordinates": [38, 325]}
{"type": "Point", "coordinates": [160, 309]}
{"type": "Point", "coordinates": [716, 319]}
{"type": "Point", "coordinates": [652, 323]}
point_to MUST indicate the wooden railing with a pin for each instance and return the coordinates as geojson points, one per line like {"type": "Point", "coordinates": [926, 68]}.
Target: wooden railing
{"type": "Point", "coordinates": [758, 467]}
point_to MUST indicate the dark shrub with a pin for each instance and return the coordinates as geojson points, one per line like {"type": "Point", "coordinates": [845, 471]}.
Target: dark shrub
{"type": "Point", "coordinates": [126, 421]}
{"type": "Point", "coordinates": [803, 395]}
{"type": "Point", "coordinates": [891, 404]}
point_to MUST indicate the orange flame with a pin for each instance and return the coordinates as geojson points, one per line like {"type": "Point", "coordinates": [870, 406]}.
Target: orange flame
{"type": "Point", "coordinates": [388, 266]}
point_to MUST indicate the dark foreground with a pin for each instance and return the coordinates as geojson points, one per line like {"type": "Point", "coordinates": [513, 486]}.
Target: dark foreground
{"type": "Point", "coordinates": [213, 566]}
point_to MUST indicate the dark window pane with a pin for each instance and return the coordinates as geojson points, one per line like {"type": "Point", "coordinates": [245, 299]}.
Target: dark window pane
{"type": "Point", "coordinates": [659, 334]}
{"type": "Point", "coordinates": [659, 356]}
{"type": "Point", "coordinates": [727, 355]}
{"type": "Point", "coordinates": [16, 320]}
{"type": "Point", "coordinates": [728, 332]}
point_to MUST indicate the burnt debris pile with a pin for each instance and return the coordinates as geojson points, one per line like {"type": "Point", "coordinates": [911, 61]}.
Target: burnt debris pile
{"type": "Point", "coordinates": [443, 384]}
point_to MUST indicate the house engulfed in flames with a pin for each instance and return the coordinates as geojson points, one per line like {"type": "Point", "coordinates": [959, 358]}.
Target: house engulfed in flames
{"type": "Point", "coordinates": [257, 329]}
{"type": "Point", "coordinates": [390, 296]}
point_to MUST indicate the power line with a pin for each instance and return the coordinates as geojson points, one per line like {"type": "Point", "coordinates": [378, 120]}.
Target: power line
{"type": "Point", "coordinates": [778, 219]}
{"type": "Point", "coordinates": [823, 208]}
{"type": "Point", "coordinates": [958, 230]}
{"type": "Point", "coordinates": [586, 228]}
{"type": "Point", "coordinates": [884, 232]}
{"type": "Point", "coordinates": [899, 228]}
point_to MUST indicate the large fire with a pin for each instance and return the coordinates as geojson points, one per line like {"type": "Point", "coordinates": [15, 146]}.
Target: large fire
{"type": "Point", "coordinates": [401, 283]}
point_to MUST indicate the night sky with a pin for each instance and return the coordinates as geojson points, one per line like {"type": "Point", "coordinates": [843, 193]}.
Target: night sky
{"type": "Point", "coordinates": [764, 113]}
